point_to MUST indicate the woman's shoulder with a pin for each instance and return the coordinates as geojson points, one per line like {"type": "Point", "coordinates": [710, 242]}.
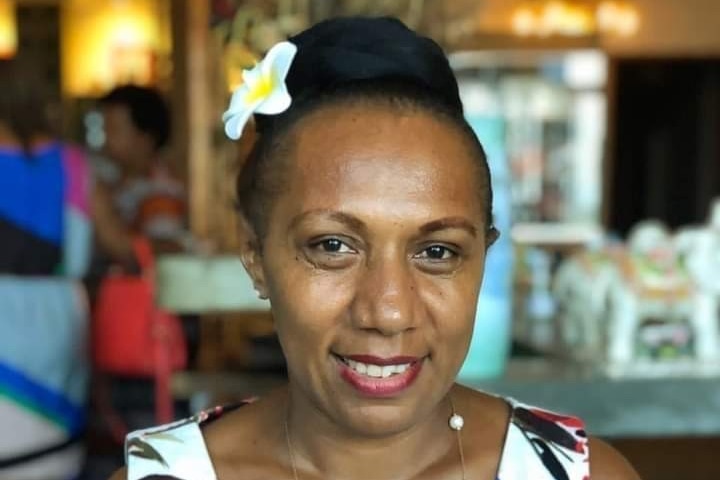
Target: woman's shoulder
{"type": "Point", "coordinates": [244, 439]}
{"type": "Point", "coordinates": [606, 463]}
{"type": "Point", "coordinates": [183, 449]}
{"type": "Point", "coordinates": [534, 439]}
{"type": "Point", "coordinates": [561, 441]}
{"type": "Point", "coordinates": [221, 439]}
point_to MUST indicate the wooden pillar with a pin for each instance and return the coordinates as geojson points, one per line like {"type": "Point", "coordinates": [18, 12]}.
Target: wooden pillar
{"type": "Point", "coordinates": [192, 105]}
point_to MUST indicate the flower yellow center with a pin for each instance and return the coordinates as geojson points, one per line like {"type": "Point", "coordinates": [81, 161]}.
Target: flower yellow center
{"type": "Point", "coordinates": [261, 89]}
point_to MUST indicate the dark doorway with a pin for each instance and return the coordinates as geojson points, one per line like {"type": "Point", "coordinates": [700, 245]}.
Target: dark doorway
{"type": "Point", "coordinates": [665, 158]}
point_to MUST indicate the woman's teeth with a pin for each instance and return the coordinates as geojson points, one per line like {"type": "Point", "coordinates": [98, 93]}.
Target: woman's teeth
{"type": "Point", "coordinates": [376, 371]}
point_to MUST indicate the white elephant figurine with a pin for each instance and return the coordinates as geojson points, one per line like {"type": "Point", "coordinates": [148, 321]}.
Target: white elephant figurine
{"type": "Point", "coordinates": [699, 248]}
{"type": "Point", "coordinates": [631, 307]}
{"type": "Point", "coordinates": [655, 302]}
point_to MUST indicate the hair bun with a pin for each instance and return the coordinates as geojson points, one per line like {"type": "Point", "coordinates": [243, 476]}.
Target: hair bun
{"type": "Point", "coordinates": [343, 50]}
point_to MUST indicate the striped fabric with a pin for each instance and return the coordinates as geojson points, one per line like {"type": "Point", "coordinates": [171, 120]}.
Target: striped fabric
{"type": "Point", "coordinates": [45, 242]}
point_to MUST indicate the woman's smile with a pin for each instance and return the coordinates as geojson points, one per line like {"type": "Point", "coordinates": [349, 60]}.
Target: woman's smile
{"type": "Point", "coordinates": [379, 377]}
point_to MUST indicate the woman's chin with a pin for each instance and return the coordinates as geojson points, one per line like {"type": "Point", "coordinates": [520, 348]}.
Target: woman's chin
{"type": "Point", "coordinates": [380, 421]}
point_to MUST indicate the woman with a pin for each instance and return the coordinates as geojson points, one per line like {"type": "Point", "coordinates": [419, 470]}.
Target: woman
{"type": "Point", "coordinates": [367, 216]}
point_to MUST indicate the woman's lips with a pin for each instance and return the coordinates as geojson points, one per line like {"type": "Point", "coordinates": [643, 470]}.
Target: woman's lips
{"type": "Point", "coordinates": [379, 377]}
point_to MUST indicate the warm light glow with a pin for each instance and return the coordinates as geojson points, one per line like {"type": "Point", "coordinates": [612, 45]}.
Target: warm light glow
{"type": "Point", "coordinates": [553, 17]}
{"type": "Point", "coordinates": [108, 42]}
{"type": "Point", "coordinates": [128, 34]}
{"type": "Point", "coordinates": [563, 19]}
{"type": "Point", "coordinates": [8, 29]}
{"type": "Point", "coordinates": [616, 17]}
{"type": "Point", "coordinates": [524, 22]}
{"type": "Point", "coordinates": [573, 18]}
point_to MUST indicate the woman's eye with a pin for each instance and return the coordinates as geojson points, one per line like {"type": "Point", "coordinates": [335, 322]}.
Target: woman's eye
{"type": "Point", "coordinates": [331, 253]}
{"type": "Point", "coordinates": [437, 252]}
{"type": "Point", "coordinates": [333, 245]}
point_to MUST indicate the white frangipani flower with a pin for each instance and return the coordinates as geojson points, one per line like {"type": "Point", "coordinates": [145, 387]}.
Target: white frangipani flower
{"type": "Point", "coordinates": [263, 89]}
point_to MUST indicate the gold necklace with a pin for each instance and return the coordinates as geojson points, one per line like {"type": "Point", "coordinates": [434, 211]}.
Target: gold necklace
{"type": "Point", "coordinates": [456, 422]}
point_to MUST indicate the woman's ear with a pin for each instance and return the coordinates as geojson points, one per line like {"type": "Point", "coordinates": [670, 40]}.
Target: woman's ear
{"type": "Point", "coordinates": [251, 256]}
{"type": "Point", "coordinates": [491, 236]}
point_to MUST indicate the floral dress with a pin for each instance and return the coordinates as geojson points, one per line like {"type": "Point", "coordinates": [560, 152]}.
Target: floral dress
{"type": "Point", "coordinates": [539, 445]}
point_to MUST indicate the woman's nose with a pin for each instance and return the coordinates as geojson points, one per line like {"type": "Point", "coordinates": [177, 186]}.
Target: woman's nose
{"type": "Point", "coordinates": [385, 297]}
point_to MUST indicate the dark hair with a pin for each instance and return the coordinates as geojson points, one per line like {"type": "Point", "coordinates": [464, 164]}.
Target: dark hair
{"type": "Point", "coordinates": [346, 60]}
{"type": "Point", "coordinates": [23, 103]}
{"type": "Point", "coordinates": [148, 110]}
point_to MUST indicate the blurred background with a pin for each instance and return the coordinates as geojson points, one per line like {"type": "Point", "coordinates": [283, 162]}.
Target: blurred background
{"type": "Point", "coordinates": [123, 303]}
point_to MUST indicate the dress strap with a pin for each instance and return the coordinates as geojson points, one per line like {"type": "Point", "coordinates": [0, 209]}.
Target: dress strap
{"type": "Point", "coordinates": [176, 450]}
{"type": "Point", "coordinates": [543, 445]}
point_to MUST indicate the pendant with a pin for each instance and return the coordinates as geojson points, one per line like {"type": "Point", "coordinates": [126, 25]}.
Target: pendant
{"type": "Point", "coordinates": [456, 422]}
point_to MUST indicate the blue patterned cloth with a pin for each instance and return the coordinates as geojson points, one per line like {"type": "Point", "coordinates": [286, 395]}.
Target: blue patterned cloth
{"type": "Point", "coordinates": [43, 373]}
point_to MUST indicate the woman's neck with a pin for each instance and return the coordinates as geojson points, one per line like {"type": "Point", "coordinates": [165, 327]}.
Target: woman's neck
{"type": "Point", "coordinates": [320, 446]}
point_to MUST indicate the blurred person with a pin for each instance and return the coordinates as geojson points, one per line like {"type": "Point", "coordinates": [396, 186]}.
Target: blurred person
{"type": "Point", "coordinates": [139, 194]}
{"type": "Point", "coordinates": [44, 249]}
{"type": "Point", "coordinates": [136, 195]}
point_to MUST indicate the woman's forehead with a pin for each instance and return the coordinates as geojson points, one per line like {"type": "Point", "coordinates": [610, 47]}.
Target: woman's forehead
{"type": "Point", "coordinates": [375, 156]}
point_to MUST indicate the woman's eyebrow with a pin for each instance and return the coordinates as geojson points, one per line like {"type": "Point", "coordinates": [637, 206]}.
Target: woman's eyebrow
{"type": "Point", "coordinates": [450, 222]}
{"type": "Point", "coordinates": [350, 221]}
{"type": "Point", "coordinates": [358, 225]}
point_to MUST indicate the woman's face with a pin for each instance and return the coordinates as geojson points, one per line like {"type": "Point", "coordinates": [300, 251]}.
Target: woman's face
{"type": "Point", "coordinates": [125, 144]}
{"type": "Point", "coordinates": [373, 260]}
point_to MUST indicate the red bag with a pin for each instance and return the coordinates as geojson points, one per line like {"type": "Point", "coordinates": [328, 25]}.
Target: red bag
{"type": "Point", "coordinates": [132, 336]}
